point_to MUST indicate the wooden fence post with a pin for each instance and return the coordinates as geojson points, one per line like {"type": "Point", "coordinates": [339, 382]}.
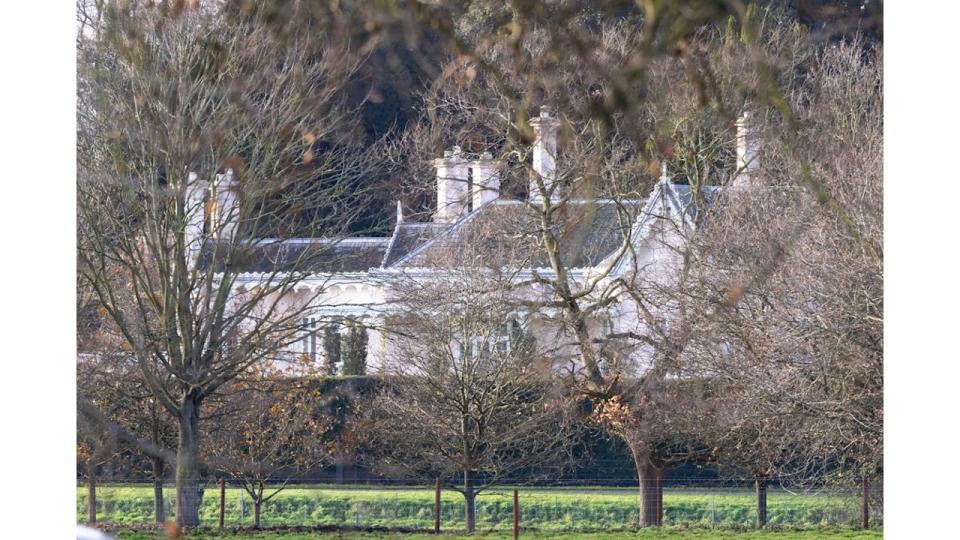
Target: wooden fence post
{"type": "Point", "coordinates": [91, 492]}
{"type": "Point", "coordinates": [436, 507]}
{"type": "Point", "coordinates": [516, 514]}
{"type": "Point", "coordinates": [866, 502]}
{"type": "Point", "coordinates": [223, 500]}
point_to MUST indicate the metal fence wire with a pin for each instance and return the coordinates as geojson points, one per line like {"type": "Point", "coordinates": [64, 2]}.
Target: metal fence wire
{"type": "Point", "coordinates": [563, 508]}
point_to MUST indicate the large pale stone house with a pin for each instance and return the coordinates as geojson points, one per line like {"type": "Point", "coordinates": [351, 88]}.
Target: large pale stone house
{"type": "Point", "coordinates": [352, 278]}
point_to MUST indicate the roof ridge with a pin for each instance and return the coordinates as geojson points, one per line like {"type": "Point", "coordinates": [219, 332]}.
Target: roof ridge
{"type": "Point", "coordinates": [453, 226]}
{"type": "Point", "coordinates": [422, 224]}
{"type": "Point", "coordinates": [393, 238]}
{"type": "Point", "coordinates": [318, 240]}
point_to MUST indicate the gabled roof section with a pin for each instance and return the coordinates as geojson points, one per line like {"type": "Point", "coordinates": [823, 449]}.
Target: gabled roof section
{"type": "Point", "coordinates": [687, 202]}
{"type": "Point", "coordinates": [506, 233]}
{"type": "Point", "coordinates": [407, 236]}
{"type": "Point", "coordinates": [680, 204]}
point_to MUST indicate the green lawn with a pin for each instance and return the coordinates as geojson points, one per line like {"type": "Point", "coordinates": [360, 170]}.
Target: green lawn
{"type": "Point", "coordinates": [667, 533]}
{"type": "Point", "coordinates": [544, 509]}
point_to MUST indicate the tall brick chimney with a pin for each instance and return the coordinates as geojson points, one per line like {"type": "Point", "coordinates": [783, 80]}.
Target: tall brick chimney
{"type": "Point", "coordinates": [545, 129]}
{"type": "Point", "coordinates": [196, 203]}
{"type": "Point", "coordinates": [748, 161]}
{"type": "Point", "coordinates": [226, 208]}
{"type": "Point", "coordinates": [485, 176]}
{"type": "Point", "coordinates": [452, 186]}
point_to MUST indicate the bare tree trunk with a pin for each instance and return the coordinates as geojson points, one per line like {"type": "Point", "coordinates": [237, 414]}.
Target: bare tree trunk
{"type": "Point", "coordinates": [660, 497]}
{"type": "Point", "coordinates": [651, 489]}
{"type": "Point", "coordinates": [158, 510]}
{"type": "Point", "coordinates": [188, 464]}
{"type": "Point", "coordinates": [865, 485]}
{"type": "Point", "coordinates": [257, 504]}
{"type": "Point", "coordinates": [92, 492]}
{"type": "Point", "coordinates": [516, 514]}
{"type": "Point", "coordinates": [761, 485]}
{"type": "Point", "coordinates": [469, 500]}
{"type": "Point", "coordinates": [436, 508]}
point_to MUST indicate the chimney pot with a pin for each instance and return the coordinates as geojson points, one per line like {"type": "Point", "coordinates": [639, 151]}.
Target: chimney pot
{"type": "Point", "coordinates": [545, 129]}
{"type": "Point", "coordinates": [452, 186]}
{"type": "Point", "coordinates": [226, 213]}
{"type": "Point", "coordinates": [486, 179]}
{"type": "Point", "coordinates": [747, 150]}
{"type": "Point", "coordinates": [196, 203]}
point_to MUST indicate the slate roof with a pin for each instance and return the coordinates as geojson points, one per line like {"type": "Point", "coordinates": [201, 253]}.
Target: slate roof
{"type": "Point", "coordinates": [507, 233]}
{"type": "Point", "coordinates": [408, 236]}
{"type": "Point", "coordinates": [682, 196]}
{"type": "Point", "coordinates": [502, 233]}
{"type": "Point", "coordinates": [308, 255]}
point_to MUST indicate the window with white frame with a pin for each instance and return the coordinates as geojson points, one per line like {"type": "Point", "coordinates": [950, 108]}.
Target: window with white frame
{"type": "Point", "coordinates": [499, 341]}
{"type": "Point", "coordinates": [308, 344]}
{"type": "Point", "coordinates": [503, 340]}
{"type": "Point", "coordinates": [606, 326]}
{"type": "Point", "coordinates": [456, 349]}
{"type": "Point", "coordinates": [476, 346]}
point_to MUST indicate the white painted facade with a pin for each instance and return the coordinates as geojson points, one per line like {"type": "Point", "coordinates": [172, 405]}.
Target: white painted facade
{"type": "Point", "coordinates": [656, 237]}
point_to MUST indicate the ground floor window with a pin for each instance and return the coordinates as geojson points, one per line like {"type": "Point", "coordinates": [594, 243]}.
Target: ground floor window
{"type": "Point", "coordinates": [340, 343]}
{"type": "Point", "coordinates": [308, 344]}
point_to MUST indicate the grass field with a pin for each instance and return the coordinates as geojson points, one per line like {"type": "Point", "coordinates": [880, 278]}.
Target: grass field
{"type": "Point", "coordinates": [650, 534]}
{"type": "Point", "coordinates": [545, 509]}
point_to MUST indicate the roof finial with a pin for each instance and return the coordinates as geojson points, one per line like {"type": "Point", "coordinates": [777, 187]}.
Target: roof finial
{"type": "Point", "coordinates": [399, 212]}
{"type": "Point", "coordinates": [664, 179]}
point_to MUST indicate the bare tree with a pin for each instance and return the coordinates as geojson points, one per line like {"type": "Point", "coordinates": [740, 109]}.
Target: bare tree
{"type": "Point", "coordinates": [168, 92]}
{"type": "Point", "coordinates": [269, 430]}
{"type": "Point", "coordinates": [840, 264]}
{"type": "Point", "coordinates": [464, 394]}
{"type": "Point", "coordinates": [630, 95]}
{"type": "Point", "coordinates": [198, 136]}
{"type": "Point", "coordinates": [604, 169]}
{"type": "Point", "coordinates": [93, 451]}
{"type": "Point", "coordinates": [795, 334]}
{"type": "Point", "coordinates": [107, 378]}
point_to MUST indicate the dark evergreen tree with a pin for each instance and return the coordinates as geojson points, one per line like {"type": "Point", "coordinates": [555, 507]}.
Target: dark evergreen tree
{"type": "Point", "coordinates": [331, 347]}
{"type": "Point", "coordinates": [354, 349]}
